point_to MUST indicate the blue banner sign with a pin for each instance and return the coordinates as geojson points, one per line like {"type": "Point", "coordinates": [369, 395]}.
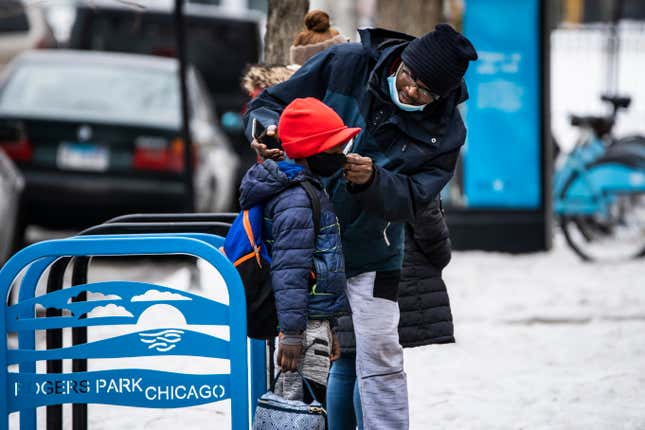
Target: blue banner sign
{"type": "Point", "coordinates": [502, 157]}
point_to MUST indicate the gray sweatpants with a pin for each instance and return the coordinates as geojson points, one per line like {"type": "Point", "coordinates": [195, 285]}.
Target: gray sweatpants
{"type": "Point", "coordinates": [379, 356]}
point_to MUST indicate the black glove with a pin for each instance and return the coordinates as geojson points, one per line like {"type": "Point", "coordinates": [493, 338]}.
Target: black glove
{"type": "Point", "coordinates": [289, 351]}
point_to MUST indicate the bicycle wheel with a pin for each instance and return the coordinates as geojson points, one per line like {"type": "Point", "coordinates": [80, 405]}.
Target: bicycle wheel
{"type": "Point", "coordinates": [616, 234]}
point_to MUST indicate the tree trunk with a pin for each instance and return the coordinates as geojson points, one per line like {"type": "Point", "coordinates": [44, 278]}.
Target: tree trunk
{"type": "Point", "coordinates": [284, 21]}
{"type": "Point", "coordinates": [415, 17]}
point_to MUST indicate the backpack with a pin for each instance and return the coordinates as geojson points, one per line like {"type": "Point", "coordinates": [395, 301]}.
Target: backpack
{"type": "Point", "coordinates": [244, 247]}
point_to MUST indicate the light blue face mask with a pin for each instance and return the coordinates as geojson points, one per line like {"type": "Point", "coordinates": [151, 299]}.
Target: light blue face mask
{"type": "Point", "coordinates": [394, 95]}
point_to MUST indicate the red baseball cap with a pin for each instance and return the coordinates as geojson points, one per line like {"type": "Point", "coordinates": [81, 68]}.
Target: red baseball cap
{"type": "Point", "coordinates": [308, 127]}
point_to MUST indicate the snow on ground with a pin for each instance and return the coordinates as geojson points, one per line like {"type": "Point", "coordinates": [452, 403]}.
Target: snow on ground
{"type": "Point", "coordinates": [544, 341]}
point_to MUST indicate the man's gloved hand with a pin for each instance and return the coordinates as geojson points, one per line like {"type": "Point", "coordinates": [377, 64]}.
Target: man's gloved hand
{"type": "Point", "coordinates": [289, 351]}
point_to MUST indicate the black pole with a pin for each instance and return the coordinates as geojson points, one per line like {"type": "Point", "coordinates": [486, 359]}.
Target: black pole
{"type": "Point", "coordinates": [180, 41]}
{"type": "Point", "coordinates": [613, 47]}
{"type": "Point", "coordinates": [79, 336]}
{"type": "Point", "coordinates": [54, 339]}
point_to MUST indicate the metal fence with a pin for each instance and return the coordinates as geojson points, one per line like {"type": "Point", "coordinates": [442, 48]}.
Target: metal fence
{"type": "Point", "coordinates": [581, 71]}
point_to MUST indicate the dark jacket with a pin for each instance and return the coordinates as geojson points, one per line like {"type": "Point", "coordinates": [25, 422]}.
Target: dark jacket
{"type": "Point", "coordinates": [289, 233]}
{"type": "Point", "coordinates": [414, 153]}
{"type": "Point", "coordinates": [423, 299]}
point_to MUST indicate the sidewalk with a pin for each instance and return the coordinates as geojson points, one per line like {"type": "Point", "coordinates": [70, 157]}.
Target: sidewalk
{"type": "Point", "coordinates": [544, 342]}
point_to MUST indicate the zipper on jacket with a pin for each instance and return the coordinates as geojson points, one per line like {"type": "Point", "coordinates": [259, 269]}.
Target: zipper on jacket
{"type": "Point", "coordinates": [316, 293]}
{"type": "Point", "coordinates": [387, 241]}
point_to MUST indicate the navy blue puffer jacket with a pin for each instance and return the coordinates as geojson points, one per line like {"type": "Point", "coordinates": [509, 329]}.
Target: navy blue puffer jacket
{"type": "Point", "coordinates": [289, 232]}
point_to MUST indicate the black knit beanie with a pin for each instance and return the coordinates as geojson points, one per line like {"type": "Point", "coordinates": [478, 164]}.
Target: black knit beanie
{"type": "Point", "coordinates": [440, 58]}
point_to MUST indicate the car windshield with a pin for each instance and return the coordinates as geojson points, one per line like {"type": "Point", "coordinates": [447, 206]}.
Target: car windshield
{"type": "Point", "coordinates": [13, 18]}
{"type": "Point", "coordinates": [218, 47]}
{"type": "Point", "coordinates": [100, 92]}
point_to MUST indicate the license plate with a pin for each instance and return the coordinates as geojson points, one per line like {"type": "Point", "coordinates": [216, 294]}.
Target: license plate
{"type": "Point", "coordinates": [82, 156]}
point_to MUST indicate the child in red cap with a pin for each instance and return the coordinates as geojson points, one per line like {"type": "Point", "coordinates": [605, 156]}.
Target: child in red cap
{"type": "Point", "coordinates": [307, 268]}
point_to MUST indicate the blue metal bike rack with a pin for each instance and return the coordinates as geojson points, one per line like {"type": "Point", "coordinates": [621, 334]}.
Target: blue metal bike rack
{"type": "Point", "coordinates": [211, 224]}
{"type": "Point", "coordinates": [25, 390]}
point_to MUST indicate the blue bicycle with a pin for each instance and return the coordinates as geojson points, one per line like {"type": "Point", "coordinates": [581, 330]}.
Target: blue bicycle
{"type": "Point", "coordinates": [599, 190]}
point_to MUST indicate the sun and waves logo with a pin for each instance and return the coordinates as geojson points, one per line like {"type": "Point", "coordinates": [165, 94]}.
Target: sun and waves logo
{"type": "Point", "coordinates": [162, 341]}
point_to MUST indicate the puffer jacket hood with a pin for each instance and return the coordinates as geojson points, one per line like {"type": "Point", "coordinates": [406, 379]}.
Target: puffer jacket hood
{"type": "Point", "coordinates": [264, 181]}
{"type": "Point", "coordinates": [296, 251]}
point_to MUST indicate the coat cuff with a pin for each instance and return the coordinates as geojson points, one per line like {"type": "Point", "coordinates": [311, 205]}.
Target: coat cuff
{"type": "Point", "coordinates": [291, 339]}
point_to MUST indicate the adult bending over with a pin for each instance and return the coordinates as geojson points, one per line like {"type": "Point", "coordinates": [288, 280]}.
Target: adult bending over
{"type": "Point", "coordinates": [403, 92]}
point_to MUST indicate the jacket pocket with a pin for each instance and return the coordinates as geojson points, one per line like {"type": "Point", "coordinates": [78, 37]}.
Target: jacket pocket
{"type": "Point", "coordinates": [386, 285]}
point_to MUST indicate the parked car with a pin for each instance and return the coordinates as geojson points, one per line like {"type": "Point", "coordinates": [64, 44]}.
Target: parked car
{"type": "Point", "coordinates": [220, 42]}
{"type": "Point", "coordinates": [21, 28]}
{"type": "Point", "coordinates": [11, 185]}
{"type": "Point", "coordinates": [97, 135]}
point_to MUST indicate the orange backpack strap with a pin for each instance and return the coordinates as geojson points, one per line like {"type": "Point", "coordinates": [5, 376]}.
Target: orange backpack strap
{"type": "Point", "coordinates": [249, 233]}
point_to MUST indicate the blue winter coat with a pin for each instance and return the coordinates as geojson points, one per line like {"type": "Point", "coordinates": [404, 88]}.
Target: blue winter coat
{"type": "Point", "coordinates": [414, 152]}
{"type": "Point", "coordinates": [289, 232]}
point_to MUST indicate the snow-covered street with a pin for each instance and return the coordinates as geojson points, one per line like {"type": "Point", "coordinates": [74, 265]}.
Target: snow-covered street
{"type": "Point", "coordinates": [544, 342]}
